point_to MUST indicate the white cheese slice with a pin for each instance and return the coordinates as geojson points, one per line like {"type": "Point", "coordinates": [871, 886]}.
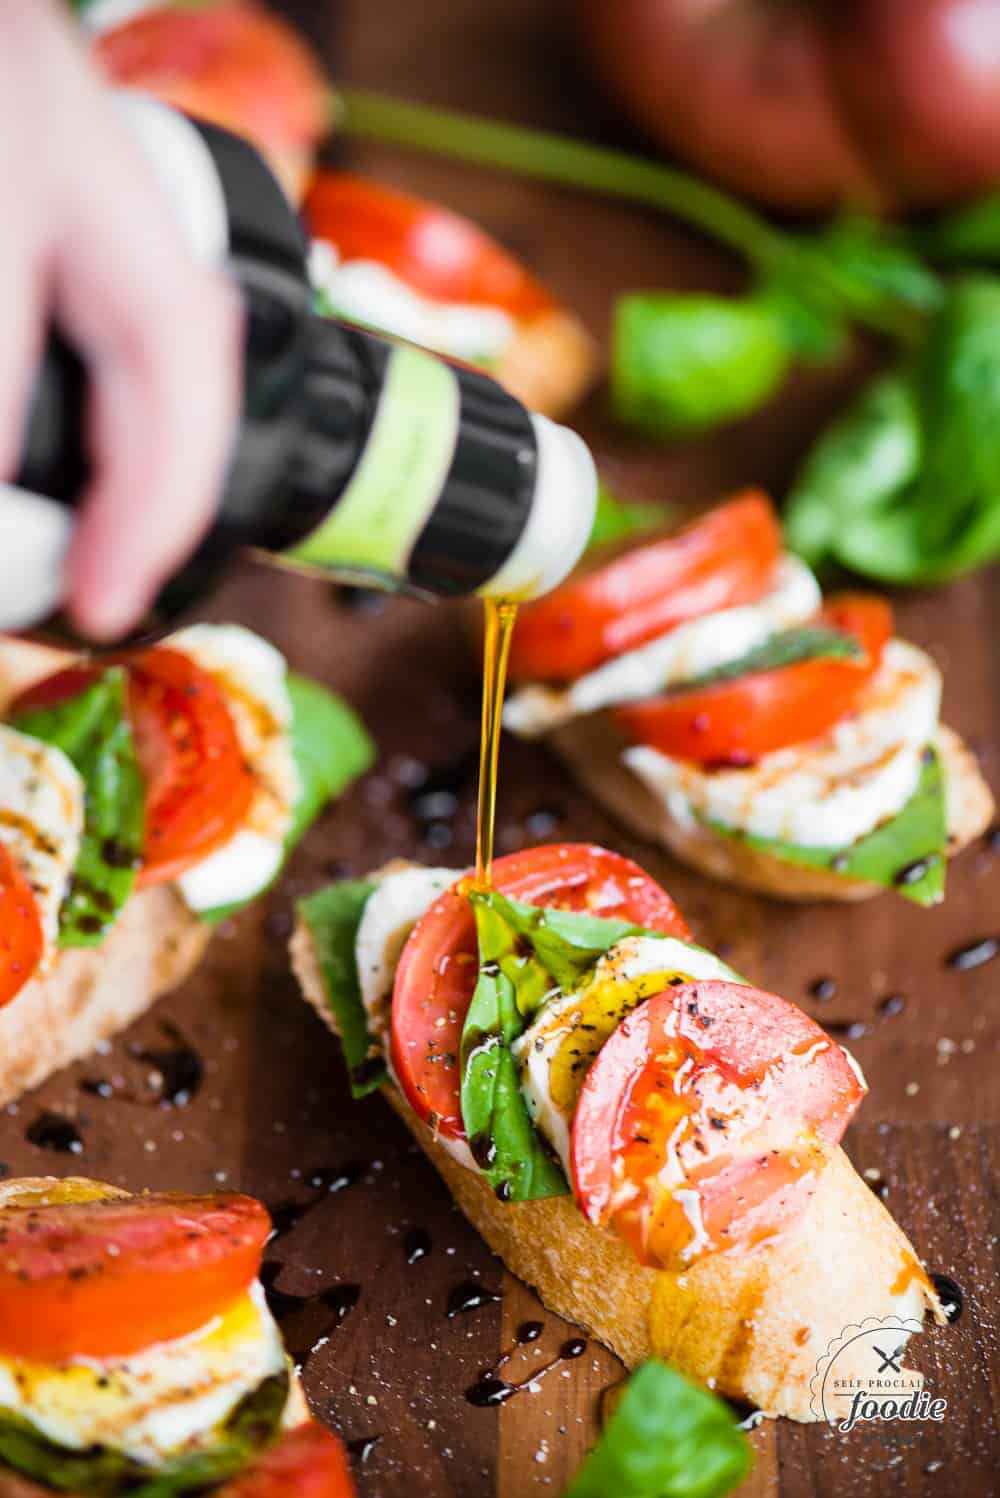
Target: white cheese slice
{"type": "Point", "coordinates": [41, 821]}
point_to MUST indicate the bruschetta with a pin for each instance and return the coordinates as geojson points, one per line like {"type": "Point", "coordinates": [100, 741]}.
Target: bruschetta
{"type": "Point", "coordinates": [648, 1140]}
{"type": "Point", "coordinates": [140, 801]}
{"type": "Point", "coordinates": [700, 686]}
{"type": "Point", "coordinates": [138, 1354]}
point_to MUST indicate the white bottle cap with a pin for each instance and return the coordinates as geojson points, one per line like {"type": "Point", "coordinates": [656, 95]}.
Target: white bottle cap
{"type": "Point", "coordinates": [561, 519]}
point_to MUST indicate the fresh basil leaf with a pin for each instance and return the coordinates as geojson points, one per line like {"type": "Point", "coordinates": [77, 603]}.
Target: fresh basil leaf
{"type": "Point", "coordinates": [616, 519]}
{"type": "Point", "coordinates": [789, 647]}
{"type": "Point", "coordinates": [971, 234]}
{"type": "Point", "coordinates": [333, 916]}
{"type": "Point", "coordinates": [93, 730]}
{"type": "Point", "coordinates": [947, 520]}
{"type": "Point", "coordinates": [526, 955]}
{"type": "Point", "coordinates": [906, 854]}
{"type": "Point", "coordinates": [682, 365]}
{"type": "Point", "coordinates": [666, 1439]}
{"type": "Point", "coordinates": [331, 747]}
{"type": "Point", "coordinates": [859, 463]}
{"type": "Point", "coordinates": [878, 262]}
{"type": "Point", "coordinates": [100, 1472]}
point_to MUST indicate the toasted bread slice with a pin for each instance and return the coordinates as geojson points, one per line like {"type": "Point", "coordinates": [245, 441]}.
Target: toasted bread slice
{"type": "Point", "coordinates": [592, 747]}
{"type": "Point", "coordinates": [90, 993]}
{"type": "Point", "coordinates": [550, 363]}
{"type": "Point", "coordinates": [752, 1326]}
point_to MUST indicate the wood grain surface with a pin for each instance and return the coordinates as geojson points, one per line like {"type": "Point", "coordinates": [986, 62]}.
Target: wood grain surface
{"type": "Point", "coordinates": [271, 1115]}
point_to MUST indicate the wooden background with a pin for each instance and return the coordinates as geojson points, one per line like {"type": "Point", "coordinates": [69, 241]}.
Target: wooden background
{"type": "Point", "coordinates": [272, 1112]}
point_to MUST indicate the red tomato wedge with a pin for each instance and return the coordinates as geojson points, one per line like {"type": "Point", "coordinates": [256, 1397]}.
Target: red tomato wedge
{"type": "Point", "coordinates": [706, 1120]}
{"type": "Point", "coordinates": [435, 251]}
{"type": "Point", "coordinates": [110, 1277]}
{"type": "Point", "coordinates": [21, 938]}
{"type": "Point", "coordinates": [233, 63]}
{"type": "Point", "coordinates": [736, 722]}
{"type": "Point", "coordinates": [309, 1462]}
{"type": "Point", "coordinates": [724, 558]}
{"type": "Point", "coordinates": [198, 787]}
{"type": "Point", "coordinates": [439, 966]}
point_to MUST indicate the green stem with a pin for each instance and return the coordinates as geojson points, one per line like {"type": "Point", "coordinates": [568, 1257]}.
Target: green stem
{"type": "Point", "coordinates": [572, 163]}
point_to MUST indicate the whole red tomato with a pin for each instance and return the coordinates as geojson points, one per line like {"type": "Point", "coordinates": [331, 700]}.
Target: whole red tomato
{"type": "Point", "coordinates": [806, 104]}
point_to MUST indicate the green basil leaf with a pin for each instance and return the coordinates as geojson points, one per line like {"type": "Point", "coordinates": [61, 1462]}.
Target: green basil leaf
{"type": "Point", "coordinates": [104, 1473]}
{"type": "Point", "coordinates": [682, 365]}
{"type": "Point", "coordinates": [92, 729]}
{"type": "Point", "coordinates": [878, 262]}
{"type": "Point", "coordinates": [913, 842]}
{"type": "Point", "coordinates": [862, 461]}
{"type": "Point", "coordinates": [526, 955]}
{"type": "Point", "coordinates": [666, 1439]}
{"type": "Point", "coordinates": [332, 917]}
{"type": "Point", "coordinates": [616, 519]}
{"type": "Point", "coordinates": [787, 648]}
{"type": "Point", "coordinates": [331, 747]}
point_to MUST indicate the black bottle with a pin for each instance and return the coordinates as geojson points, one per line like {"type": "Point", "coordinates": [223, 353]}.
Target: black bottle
{"type": "Point", "coordinates": [369, 460]}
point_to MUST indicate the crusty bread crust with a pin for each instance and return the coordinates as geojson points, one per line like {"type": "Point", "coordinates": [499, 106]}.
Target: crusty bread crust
{"type": "Point", "coordinates": [752, 1326]}
{"type": "Point", "coordinates": [592, 747]}
{"type": "Point", "coordinates": [550, 363]}
{"type": "Point", "coordinates": [90, 993]}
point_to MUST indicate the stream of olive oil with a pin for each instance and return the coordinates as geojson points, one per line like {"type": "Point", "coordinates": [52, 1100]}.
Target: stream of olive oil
{"type": "Point", "coordinates": [500, 616]}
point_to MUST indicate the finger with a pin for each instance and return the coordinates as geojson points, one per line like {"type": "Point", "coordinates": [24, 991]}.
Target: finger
{"type": "Point", "coordinates": [160, 336]}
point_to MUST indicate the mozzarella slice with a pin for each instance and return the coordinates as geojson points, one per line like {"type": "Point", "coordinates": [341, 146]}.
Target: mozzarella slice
{"type": "Point", "coordinates": [252, 674]}
{"type": "Point", "coordinates": [41, 821]}
{"type": "Point", "coordinates": [679, 655]}
{"type": "Point", "coordinates": [366, 291]}
{"type": "Point", "coordinates": [556, 1052]}
{"type": "Point", "coordinates": [392, 911]}
{"type": "Point", "coordinates": [168, 1399]}
{"type": "Point", "coordinates": [827, 793]}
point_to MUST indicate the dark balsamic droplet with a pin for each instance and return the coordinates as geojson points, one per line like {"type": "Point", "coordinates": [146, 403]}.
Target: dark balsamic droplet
{"type": "Point", "coordinates": [840, 863]}
{"type": "Point", "coordinates": [529, 1331]}
{"type": "Point", "coordinates": [359, 600]}
{"type": "Point", "coordinates": [823, 989]}
{"type": "Point", "coordinates": [179, 1064]}
{"type": "Point", "coordinates": [341, 1300]}
{"type": "Point", "coordinates": [879, 1185]}
{"type": "Point", "coordinates": [362, 1447]}
{"type": "Point", "coordinates": [913, 872]}
{"type": "Point", "coordinates": [963, 959]}
{"type": "Point", "coordinates": [574, 1348]}
{"type": "Point", "coordinates": [489, 1391]}
{"type": "Point", "coordinates": [279, 1302]}
{"type": "Point", "coordinates": [484, 1150]}
{"type": "Point", "coordinates": [332, 1179]}
{"type": "Point", "coordinates": [891, 1005]}
{"type": "Point", "coordinates": [416, 1245]}
{"type": "Point", "coordinates": [950, 1295]}
{"type": "Point", "coordinates": [846, 1029]}
{"type": "Point", "coordinates": [502, 1191]}
{"type": "Point", "coordinates": [470, 1295]}
{"type": "Point", "coordinates": [51, 1131]}
{"type": "Point", "coordinates": [118, 856]}
{"type": "Point", "coordinates": [97, 1087]}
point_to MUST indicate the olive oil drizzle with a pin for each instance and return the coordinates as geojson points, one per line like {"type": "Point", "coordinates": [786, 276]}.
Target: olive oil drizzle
{"type": "Point", "coordinates": [500, 617]}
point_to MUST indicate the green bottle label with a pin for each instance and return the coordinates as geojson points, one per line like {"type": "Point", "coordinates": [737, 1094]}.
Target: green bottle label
{"type": "Point", "coordinates": [374, 525]}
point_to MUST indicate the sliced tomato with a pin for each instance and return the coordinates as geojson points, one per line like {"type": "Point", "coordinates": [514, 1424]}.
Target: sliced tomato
{"type": "Point", "coordinates": [233, 63]}
{"type": "Point", "coordinates": [438, 968]}
{"type": "Point", "coordinates": [736, 722]}
{"type": "Point", "coordinates": [110, 1277]}
{"type": "Point", "coordinates": [309, 1462]}
{"type": "Point", "coordinates": [198, 786]}
{"type": "Point", "coordinates": [724, 558]}
{"type": "Point", "coordinates": [438, 253]}
{"type": "Point", "coordinates": [706, 1120]}
{"type": "Point", "coordinates": [22, 941]}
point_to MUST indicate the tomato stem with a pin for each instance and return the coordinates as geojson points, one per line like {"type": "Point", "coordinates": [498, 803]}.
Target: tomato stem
{"type": "Point", "coordinates": [601, 169]}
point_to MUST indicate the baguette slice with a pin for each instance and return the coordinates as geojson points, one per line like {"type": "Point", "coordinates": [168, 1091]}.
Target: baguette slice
{"type": "Point", "coordinates": [550, 363]}
{"type": "Point", "coordinates": [592, 747]}
{"type": "Point", "coordinates": [751, 1326]}
{"type": "Point", "coordinates": [89, 993]}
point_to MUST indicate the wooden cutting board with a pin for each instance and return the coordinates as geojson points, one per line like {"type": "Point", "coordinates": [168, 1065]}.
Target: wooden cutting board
{"type": "Point", "coordinates": [358, 1207]}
